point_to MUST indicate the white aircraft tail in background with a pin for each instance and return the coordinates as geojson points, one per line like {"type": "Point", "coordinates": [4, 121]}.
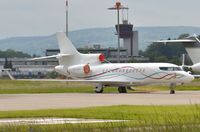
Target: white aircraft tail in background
{"type": "Point", "coordinates": [192, 46]}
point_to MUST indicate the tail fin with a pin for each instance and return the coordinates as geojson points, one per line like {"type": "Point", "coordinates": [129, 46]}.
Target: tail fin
{"type": "Point", "coordinates": [70, 56]}
{"type": "Point", "coordinates": [193, 49]}
{"type": "Point", "coordinates": [65, 45]}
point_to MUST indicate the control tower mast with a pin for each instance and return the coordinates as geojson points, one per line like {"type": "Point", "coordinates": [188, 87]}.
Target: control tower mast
{"type": "Point", "coordinates": [118, 7]}
{"type": "Point", "coordinates": [125, 31]}
{"type": "Point", "coordinates": [129, 36]}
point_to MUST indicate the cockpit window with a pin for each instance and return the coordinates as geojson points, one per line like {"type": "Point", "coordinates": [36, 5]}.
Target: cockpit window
{"type": "Point", "coordinates": [170, 68]}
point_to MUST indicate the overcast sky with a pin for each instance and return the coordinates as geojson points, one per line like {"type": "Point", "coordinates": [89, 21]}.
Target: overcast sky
{"type": "Point", "coordinates": [45, 17]}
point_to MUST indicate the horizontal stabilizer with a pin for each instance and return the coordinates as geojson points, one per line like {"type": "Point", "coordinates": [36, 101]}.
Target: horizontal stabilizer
{"type": "Point", "coordinates": [176, 41]}
{"type": "Point", "coordinates": [196, 76]}
{"type": "Point", "coordinates": [49, 57]}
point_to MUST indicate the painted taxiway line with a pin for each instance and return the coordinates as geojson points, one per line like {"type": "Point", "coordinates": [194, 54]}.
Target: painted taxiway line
{"type": "Point", "coordinates": [46, 121]}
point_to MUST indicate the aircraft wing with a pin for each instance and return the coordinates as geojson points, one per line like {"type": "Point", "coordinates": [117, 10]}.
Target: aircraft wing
{"type": "Point", "coordinates": [196, 76]}
{"type": "Point", "coordinates": [71, 80]}
{"type": "Point", "coordinates": [105, 82]}
{"type": "Point", "coordinates": [176, 41]}
{"type": "Point", "coordinates": [102, 81]}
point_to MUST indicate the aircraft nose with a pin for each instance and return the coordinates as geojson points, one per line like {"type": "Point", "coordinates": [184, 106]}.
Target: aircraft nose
{"type": "Point", "coordinates": [187, 77]}
{"type": "Point", "coordinates": [190, 77]}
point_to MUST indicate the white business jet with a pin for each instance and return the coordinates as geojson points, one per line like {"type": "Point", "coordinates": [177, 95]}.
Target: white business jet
{"type": "Point", "coordinates": [91, 69]}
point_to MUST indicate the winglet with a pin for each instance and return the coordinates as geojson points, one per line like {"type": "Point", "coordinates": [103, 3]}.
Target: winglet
{"type": "Point", "coordinates": [8, 73]}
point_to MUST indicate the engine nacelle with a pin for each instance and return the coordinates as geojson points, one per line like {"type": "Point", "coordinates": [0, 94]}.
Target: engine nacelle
{"type": "Point", "coordinates": [93, 58]}
{"type": "Point", "coordinates": [60, 69]}
{"type": "Point", "coordinates": [195, 68]}
{"type": "Point", "coordinates": [80, 70]}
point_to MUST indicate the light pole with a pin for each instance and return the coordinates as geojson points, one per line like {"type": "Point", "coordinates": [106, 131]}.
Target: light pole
{"type": "Point", "coordinates": [67, 17]}
{"type": "Point", "coordinates": [118, 7]}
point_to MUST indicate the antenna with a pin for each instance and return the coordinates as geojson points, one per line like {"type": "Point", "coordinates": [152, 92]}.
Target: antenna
{"type": "Point", "coordinates": [125, 14]}
{"type": "Point", "coordinates": [183, 59]}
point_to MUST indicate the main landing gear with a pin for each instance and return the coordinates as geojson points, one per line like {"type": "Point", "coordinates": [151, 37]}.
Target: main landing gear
{"type": "Point", "coordinates": [122, 89]}
{"type": "Point", "coordinates": [172, 88]}
{"type": "Point", "coordinates": [100, 87]}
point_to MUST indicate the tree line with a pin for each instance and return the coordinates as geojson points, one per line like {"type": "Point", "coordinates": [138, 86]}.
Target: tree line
{"type": "Point", "coordinates": [13, 54]}
{"type": "Point", "coordinates": [156, 52]}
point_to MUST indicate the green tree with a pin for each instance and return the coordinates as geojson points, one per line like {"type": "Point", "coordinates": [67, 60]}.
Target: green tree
{"type": "Point", "coordinates": [160, 52]}
{"type": "Point", "coordinates": [198, 37]}
{"type": "Point", "coordinates": [161, 59]}
{"type": "Point", "coordinates": [13, 54]}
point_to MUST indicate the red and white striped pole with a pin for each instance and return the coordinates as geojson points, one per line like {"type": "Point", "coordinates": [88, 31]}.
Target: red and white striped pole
{"type": "Point", "coordinates": [67, 17]}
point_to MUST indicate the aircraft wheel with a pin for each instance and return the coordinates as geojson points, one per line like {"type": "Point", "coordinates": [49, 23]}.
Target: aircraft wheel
{"type": "Point", "coordinates": [99, 91]}
{"type": "Point", "coordinates": [172, 91]}
{"type": "Point", "coordinates": [99, 88]}
{"type": "Point", "coordinates": [172, 88]}
{"type": "Point", "coordinates": [122, 89]}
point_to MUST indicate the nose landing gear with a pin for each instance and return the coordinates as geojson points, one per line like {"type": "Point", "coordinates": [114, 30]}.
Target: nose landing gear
{"type": "Point", "coordinates": [172, 88]}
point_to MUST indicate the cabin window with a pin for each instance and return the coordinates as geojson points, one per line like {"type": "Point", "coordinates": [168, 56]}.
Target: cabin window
{"type": "Point", "coordinates": [170, 68]}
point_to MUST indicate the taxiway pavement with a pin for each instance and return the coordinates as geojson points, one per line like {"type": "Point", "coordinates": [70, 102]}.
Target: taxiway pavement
{"type": "Point", "coordinates": [59, 101]}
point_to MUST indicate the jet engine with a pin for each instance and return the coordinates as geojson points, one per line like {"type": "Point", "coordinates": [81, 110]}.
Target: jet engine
{"type": "Point", "coordinates": [79, 70]}
{"type": "Point", "coordinates": [195, 68]}
{"type": "Point", "coordinates": [93, 58]}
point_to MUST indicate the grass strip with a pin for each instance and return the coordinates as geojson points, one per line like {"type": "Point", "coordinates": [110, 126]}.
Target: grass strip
{"type": "Point", "coordinates": [30, 87]}
{"type": "Point", "coordinates": [145, 118]}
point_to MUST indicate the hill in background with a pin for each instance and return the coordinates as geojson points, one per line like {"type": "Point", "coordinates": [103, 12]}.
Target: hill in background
{"type": "Point", "coordinates": [89, 37]}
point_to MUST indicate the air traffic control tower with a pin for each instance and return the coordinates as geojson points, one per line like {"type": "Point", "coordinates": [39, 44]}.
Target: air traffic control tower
{"type": "Point", "coordinates": [129, 36]}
